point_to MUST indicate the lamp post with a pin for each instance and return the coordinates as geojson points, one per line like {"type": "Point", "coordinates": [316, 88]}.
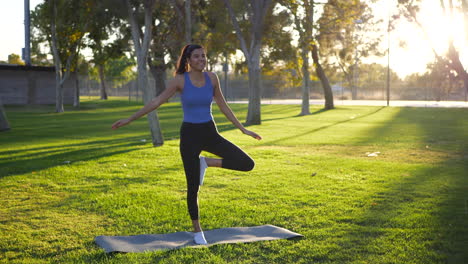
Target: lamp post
{"type": "Point", "coordinates": [27, 33]}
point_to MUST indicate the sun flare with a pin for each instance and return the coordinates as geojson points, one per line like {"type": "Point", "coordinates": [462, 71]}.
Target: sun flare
{"type": "Point", "coordinates": [420, 43]}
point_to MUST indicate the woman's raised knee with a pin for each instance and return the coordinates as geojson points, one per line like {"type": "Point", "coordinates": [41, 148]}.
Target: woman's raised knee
{"type": "Point", "coordinates": [249, 164]}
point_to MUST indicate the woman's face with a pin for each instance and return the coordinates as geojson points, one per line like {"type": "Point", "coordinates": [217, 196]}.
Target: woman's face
{"type": "Point", "coordinates": [197, 60]}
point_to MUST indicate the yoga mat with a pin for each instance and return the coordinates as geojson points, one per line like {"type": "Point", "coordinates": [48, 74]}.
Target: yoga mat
{"type": "Point", "coordinates": [142, 243]}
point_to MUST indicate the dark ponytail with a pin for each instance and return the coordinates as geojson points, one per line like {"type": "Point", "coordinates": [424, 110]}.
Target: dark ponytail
{"type": "Point", "coordinates": [184, 55]}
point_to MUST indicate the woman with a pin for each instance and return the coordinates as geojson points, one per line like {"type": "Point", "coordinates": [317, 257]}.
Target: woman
{"type": "Point", "coordinates": [198, 131]}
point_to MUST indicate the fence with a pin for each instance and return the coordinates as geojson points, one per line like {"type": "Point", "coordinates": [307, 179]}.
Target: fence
{"type": "Point", "coordinates": [367, 87]}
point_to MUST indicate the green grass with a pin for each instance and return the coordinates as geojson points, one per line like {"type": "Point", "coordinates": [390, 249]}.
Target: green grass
{"type": "Point", "coordinates": [66, 178]}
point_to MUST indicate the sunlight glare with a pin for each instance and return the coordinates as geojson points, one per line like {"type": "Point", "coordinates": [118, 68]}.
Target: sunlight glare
{"type": "Point", "coordinates": [418, 49]}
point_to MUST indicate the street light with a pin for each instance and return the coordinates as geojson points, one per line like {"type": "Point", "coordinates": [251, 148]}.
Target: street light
{"type": "Point", "coordinates": [27, 35]}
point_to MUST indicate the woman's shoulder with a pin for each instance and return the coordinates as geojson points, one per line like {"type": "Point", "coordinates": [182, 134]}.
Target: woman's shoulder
{"type": "Point", "coordinates": [212, 76]}
{"type": "Point", "coordinates": [179, 77]}
{"type": "Point", "coordinates": [178, 80]}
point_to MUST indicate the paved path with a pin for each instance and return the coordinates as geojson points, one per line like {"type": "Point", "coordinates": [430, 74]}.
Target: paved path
{"type": "Point", "coordinates": [451, 104]}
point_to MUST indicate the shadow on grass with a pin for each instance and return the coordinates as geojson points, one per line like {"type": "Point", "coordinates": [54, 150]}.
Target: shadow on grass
{"type": "Point", "coordinates": [291, 108]}
{"type": "Point", "coordinates": [273, 142]}
{"type": "Point", "coordinates": [63, 153]}
{"type": "Point", "coordinates": [79, 126]}
{"type": "Point", "coordinates": [423, 212]}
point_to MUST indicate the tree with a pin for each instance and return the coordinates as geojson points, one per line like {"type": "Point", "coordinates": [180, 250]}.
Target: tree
{"type": "Point", "coordinates": [305, 24]}
{"type": "Point", "coordinates": [410, 8]}
{"type": "Point", "coordinates": [183, 10]}
{"type": "Point", "coordinates": [438, 83]}
{"type": "Point", "coordinates": [69, 46]}
{"type": "Point", "coordinates": [210, 27]}
{"type": "Point", "coordinates": [4, 126]}
{"type": "Point", "coordinates": [345, 38]}
{"type": "Point", "coordinates": [141, 45]}
{"type": "Point", "coordinates": [104, 23]}
{"type": "Point", "coordinates": [301, 12]}
{"type": "Point", "coordinates": [39, 42]}
{"type": "Point", "coordinates": [15, 59]}
{"type": "Point", "coordinates": [63, 23]}
{"type": "Point", "coordinates": [327, 91]}
{"type": "Point", "coordinates": [167, 39]}
{"type": "Point", "coordinates": [81, 67]}
{"type": "Point", "coordinates": [256, 12]}
{"type": "Point", "coordinates": [120, 70]}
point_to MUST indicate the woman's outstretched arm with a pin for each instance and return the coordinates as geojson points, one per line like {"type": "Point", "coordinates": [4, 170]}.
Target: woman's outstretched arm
{"type": "Point", "coordinates": [223, 106]}
{"type": "Point", "coordinates": [172, 88]}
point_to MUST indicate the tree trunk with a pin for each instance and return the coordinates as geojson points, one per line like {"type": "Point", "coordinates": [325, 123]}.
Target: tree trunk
{"type": "Point", "coordinates": [158, 71]}
{"type": "Point", "coordinates": [305, 81]}
{"type": "Point", "coordinates": [58, 94]}
{"type": "Point", "coordinates": [159, 76]}
{"type": "Point", "coordinates": [252, 54]}
{"type": "Point", "coordinates": [141, 50]}
{"type": "Point", "coordinates": [305, 29]}
{"type": "Point", "coordinates": [148, 95]}
{"type": "Point", "coordinates": [76, 98]}
{"type": "Point", "coordinates": [254, 113]}
{"type": "Point", "coordinates": [4, 125]}
{"type": "Point", "coordinates": [57, 63]}
{"type": "Point", "coordinates": [58, 90]}
{"type": "Point", "coordinates": [323, 79]}
{"type": "Point", "coordinates": [103, 82]}
{"type": "Point", "coordinates": [465, 82]}
{"type": "Point", "coordinates": [60, 76]}
{"type": "Point", "coordinates": [455, 63]}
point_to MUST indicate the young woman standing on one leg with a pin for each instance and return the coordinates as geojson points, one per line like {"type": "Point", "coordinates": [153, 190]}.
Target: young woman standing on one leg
{"type": "Point", "coordinates": [198, 132]}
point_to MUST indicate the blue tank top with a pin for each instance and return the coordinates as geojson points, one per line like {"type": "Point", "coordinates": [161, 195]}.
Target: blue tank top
{"type": "Point", "coordinates": [196, 101]}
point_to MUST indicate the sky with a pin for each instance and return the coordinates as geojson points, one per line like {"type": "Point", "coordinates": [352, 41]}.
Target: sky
{"type": "Point", "coordinates": [12, 26]}
{"type": "Point", "coordinates": [404, 60]}
{"type": "Point", "coordinates": [417, 51]}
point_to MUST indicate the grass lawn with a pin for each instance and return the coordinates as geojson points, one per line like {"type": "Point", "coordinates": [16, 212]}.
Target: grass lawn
{"type": "Point", "coordinates": [66, 178]}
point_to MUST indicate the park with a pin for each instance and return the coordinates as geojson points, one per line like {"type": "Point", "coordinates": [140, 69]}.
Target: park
{"type": "Point", "coordinates": [361, 182]}
{"type": "Point", "coordinates": [67, 178]}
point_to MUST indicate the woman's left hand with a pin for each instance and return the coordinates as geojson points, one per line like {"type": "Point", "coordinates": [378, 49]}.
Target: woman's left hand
{"type": "Point", "coordinates": [252, 134]}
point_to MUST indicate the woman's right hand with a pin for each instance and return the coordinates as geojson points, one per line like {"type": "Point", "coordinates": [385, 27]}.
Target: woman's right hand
{"type": "Point", "coordinates": [252, 134]}
{"type": "Point", "coordinates": [121, 123]}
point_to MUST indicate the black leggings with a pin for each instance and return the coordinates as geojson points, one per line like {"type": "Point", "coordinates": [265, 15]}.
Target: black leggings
{"type": "Point", "coordinates": [197, 137]}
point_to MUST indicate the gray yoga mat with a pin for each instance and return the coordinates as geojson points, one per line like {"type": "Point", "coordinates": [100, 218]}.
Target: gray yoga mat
{"type": "Point", "coordinates": [142, 243]}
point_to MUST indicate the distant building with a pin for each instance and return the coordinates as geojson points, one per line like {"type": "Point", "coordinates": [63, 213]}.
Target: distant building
{"type": "Point", "coordinates": [21, 85]}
